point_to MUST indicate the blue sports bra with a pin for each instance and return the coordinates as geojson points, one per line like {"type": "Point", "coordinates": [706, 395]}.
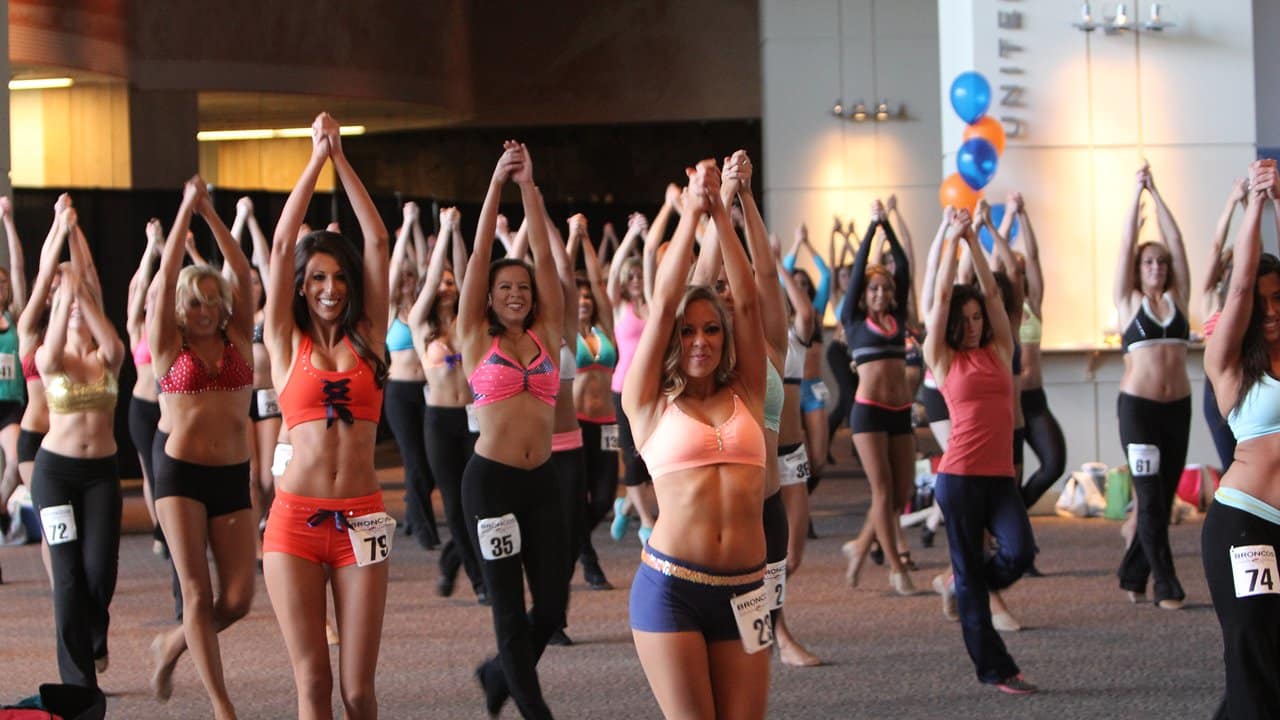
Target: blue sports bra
{"type": "Point", "coordinates": [1146, 330]}
{"type": "Point", "coordinates": [1259, 414]}
{"type": "Point", "coordinates": [398, 336]}
{"type": "Point", "coordinates": [605, 359]}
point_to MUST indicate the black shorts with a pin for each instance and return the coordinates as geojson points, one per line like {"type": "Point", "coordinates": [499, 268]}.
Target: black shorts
{"type": "Point", "coordinates": [223, 489]}
{"type": "Point", "coordinates": [28, 445]}
{"type": "Point", "coordinates": [935, 406]}
{"type": "Point", "coordinates": [10, 413]}
{"type": "Point", "coordinates": [867, 418]}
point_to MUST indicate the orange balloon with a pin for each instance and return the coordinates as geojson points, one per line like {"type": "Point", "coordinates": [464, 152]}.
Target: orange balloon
{"type": "Point", "coordinates": [957, 193]}
{"type": "Point", "coordinates": [989, 129]}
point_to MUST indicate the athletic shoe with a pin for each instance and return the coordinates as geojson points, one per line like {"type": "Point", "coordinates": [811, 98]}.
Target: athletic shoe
{"type": "Point", "coordinates": [644, 534]}
{"type": "Point", "coordinates": [944, 585]}
{"type": "Point", "coordinates": [559, 638]}
{"type": "Point", "coordinates": [1016, 685]}
{"type": "Point", "coordinates": [618, 528]}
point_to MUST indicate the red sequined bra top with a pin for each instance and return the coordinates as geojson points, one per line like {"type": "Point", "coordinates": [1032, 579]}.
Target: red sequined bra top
{"type": "Point", "coordinates": [188, 374]}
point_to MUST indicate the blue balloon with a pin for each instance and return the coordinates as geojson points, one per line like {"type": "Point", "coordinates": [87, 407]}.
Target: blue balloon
{"type": "Point", "coordinates": [997, 217]}
{"type": "Point", "coordinates": [970, 96]}
{"type": "Point", "coordinates": [976, 162]}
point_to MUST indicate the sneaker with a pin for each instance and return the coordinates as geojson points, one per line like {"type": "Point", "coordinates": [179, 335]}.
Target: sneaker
{"type": "Point", "coordinates": [1016, 685]}
{"type": "Point", "coordinates": [1004, 622]}
{"type": "Point", "coordinates": [944, 585]}
{"type": "Point", "coordinates": [644, 534]}
{"type": "Point", "coordinates": [618, 528]}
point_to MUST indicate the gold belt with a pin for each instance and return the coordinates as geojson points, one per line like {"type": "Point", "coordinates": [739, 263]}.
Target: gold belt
{"type": "Point", "coordinates": [666, 567]}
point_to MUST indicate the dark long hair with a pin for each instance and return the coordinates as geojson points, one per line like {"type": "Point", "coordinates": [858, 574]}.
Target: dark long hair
{"type": "Point", "coordinates": [584, 284]}
{"type": "Point", "coordinates": [496, 327]}
{"type": "Point", "coordinates": [1255, 361]}
{"type": "Point", "coordinates": [960, 295]}
{"type": "Point", "coordinates": [352, 266]}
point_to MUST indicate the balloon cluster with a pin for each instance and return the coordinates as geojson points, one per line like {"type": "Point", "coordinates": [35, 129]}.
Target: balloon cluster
{"type": "Point", "coordinates": [979, 154]}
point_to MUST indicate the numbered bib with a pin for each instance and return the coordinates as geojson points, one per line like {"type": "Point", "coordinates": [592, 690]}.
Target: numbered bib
{"type": "Point", "coordinates": [280, 460]}
{"type": "Point", "coordinates": [59, 523]}
{"type": "Point", "coordinates": [1254, 570]}
{"type": "Point", "coordinates": [775, 583]}
{"type": "Point", "coordinates": [268, 403]}
{"type": "Point", "coordinates": [609, 437]}
{"type": "Point", "coordinates": [499, 537]}
{"type": "Point", "coordinates": [8, 366]}
{"type": "Point", "coordinates": [1144, 459]}
{"type": "Point", "coordinates": [822, 392]}
{"type": "Point", "coordinates": [795, 467]}
{"type": "Point", "coordinates": [473, 419]}
{"type": "Point", "coordinates": [751, 611]}
{"type": "Point", "coordinates": [371, 537]}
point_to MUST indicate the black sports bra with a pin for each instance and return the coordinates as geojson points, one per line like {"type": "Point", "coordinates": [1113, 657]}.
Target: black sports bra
{"type": "Point", "coordinates": [868, 341]}
{"type": "Point", "coordinates": [1146, 330]}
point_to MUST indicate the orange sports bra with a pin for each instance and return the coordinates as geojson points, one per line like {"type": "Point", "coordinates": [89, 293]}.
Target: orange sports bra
{"type": "Point", "coordinates": [314, 394]}
{"type": "Point", "coordinates": [680, 442]}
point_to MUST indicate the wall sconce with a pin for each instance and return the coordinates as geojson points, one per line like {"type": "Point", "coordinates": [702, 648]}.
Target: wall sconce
{"type": "Point", "coordinates": [1086, 23]}
{"type": "Point", "coordinates": [1121, 21]}
{"type": "Point", "coordinates": [861, 113]}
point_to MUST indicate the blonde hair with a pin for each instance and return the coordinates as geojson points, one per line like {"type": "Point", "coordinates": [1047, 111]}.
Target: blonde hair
{"type": "Point", "coordinates": [189, 287]}
{"type": "Point", "coordinates": [673, 379]}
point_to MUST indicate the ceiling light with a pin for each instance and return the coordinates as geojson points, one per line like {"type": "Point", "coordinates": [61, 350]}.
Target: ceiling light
{"type": "Point", "coordinates": [860, 111]}
{"type": "Point", "coordinates": [837, 109]}
{"type": "Point", "coordinates": [882, 110]}
{"type": "Point", "coordinates": [269, 134]}
{"type": "Point", "coordinates": [40, 83]}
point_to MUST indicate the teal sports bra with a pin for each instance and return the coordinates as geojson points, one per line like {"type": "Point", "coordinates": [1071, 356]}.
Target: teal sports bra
{"type": "Point", "coordinates": [773, 398]}
{"type": "Point", "coordinates": [13, 387]}
{"type": "Point", "coordinates": [398, 336]}
{"type": "Point", "coordinates": [607, 358]}
{"type": "Point", "coordinates": [1259, 414]}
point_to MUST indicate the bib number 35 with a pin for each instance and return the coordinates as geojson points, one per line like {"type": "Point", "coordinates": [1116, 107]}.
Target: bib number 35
{"type": "Point", "coordinates": [499, 537]}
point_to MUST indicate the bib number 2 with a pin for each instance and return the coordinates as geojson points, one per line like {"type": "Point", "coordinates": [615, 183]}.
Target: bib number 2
{"type": "Point", "coordinates": [499, 537]}
{"type": "Point", "coordinates": [371, 537]}
{"type": "Point", "coordinates": [751, 611]}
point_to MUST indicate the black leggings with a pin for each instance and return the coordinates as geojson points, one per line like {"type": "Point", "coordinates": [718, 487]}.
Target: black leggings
{"type": "Point", "coordinates": [776, 530]}
{"type": "Point", "coordinates": [144, 419]}
{"type": "Point", "coordinates": [449, 446]}
{"type": "Point", "coordinates": [1250, 633]}
{"type": "Point", "coordinates": [1223, 439]}
{"type": "Point", "coordinates": [636, 472]}
{"type": "Point", "coordinates": [838, 361]}
{"type": "Point", "coordinates": [405, 406]}
{"type": "Point", "coordinates": [1167, 426]}
{"type": "Point", "coordinates": [84, 568]}
{"type": "Point", "coordinates": [601, 482]}
{"type": "Point", "coordinates": [1044, 435]}
{"type": "Point", "coordinates": [491, 490]}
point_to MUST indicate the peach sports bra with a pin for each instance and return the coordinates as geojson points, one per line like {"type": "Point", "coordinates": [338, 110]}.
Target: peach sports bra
{"type": "Point", "coordinates": [681, 442]}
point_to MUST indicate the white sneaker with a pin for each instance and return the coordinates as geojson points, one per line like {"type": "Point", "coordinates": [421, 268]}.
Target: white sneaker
{"type": "Point", "coordinates": [944, 585]}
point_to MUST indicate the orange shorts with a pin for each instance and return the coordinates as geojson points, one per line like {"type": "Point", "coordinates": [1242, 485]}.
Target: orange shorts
{"type": "Point", "coordinates": [308, 527]}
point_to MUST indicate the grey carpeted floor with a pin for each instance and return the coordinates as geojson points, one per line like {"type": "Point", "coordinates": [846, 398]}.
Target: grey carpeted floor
{"type": "Point", "coordinates": [1093, 654]}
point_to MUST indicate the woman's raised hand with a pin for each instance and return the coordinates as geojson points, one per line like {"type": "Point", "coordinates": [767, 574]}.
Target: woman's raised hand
{"type": "Point", "coordinates": [1263, 178]}
{"type": "Point", "coordinates": [877, 211]}
{"type": "Point", "coordinates": [511, 161]}
{"type": "Point", "coordinates": [577, 225]}
{"type": "Point", "coordinates": [524, 174]}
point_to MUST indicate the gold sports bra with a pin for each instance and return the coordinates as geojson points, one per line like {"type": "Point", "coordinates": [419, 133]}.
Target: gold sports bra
{"type": "Point", "coordinates": [67, 396]}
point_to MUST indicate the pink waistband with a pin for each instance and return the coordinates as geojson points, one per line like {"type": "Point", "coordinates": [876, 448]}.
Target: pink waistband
{"type": "Point", "coordinates": [873, 403]}
{"type": "Point", "coordinates": [598, 419]}
{"type": "Point", "coordinates": [568, 440]}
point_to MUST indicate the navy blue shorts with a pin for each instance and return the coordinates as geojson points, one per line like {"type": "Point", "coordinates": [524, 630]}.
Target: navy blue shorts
{"type": "Point", "coordinates": [665, 603]}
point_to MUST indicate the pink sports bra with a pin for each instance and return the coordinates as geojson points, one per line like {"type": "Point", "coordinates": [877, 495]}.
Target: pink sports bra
{"type": "Point", "coordinates": [142, 353]}
{"type": "Point", "coordinates": [680, 442]}
{"type": "Point", "coordinates": [500, 377]}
